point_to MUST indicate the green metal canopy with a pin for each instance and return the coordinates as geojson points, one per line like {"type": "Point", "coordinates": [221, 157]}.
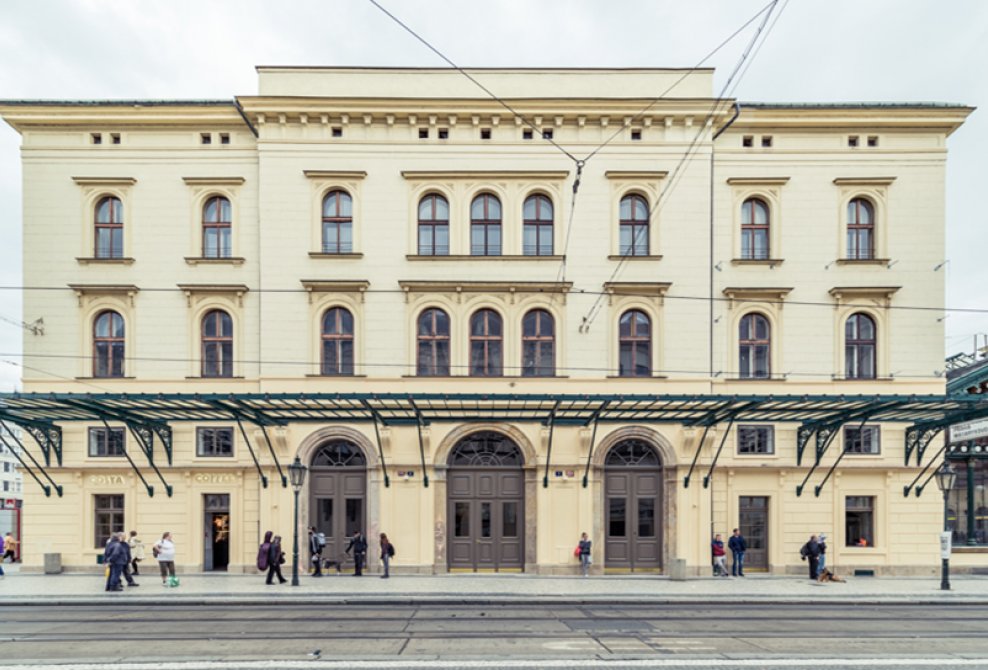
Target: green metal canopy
{"type": "Point", "coordinates": [148, 416]}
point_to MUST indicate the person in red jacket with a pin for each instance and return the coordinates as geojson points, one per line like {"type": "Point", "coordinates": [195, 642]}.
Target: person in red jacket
{"type": "Point", "coordinates": [720, 562]}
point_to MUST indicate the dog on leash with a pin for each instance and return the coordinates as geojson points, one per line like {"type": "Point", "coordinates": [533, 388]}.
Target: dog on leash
{"type": "Point", "coordinates": [827, 576]}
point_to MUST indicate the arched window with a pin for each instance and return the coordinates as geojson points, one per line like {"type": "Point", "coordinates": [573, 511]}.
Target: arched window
{"type": "Point", "coordinates": [486, 449]}
{"type": "Point", "coordinates": [634, 226]}
{"type": "Point", "coordinates": [433, 343]}
{"type": "Point", "coordinates": [859, 347]}
{"type": "Point", "coordinates": [632, 454]}
{"type": "Point", "coordinates": [538, 344]}
{"type": "Point", "coordinates": [860, 229]}
{"type": "Point", "coordinates": [337, 223]}
{"type": "Point", "coordinates": [337, 342]}
{"type": "Point", "coordinates": [217, 344]}
{"type": "Point", "coordinates": [109, 228]}
{"type": "Point", "coordinates": [486, 339]}
{"type": "Point", "coordinates": [537, 214]}
{"type": "Point", "coordinates": [339, 454]}
{"type": "Point", "coordinates": [108, 345]}
{"type": "Point", "coordinates": [754, 230]}
{"type": "Point", "coordinates": [635, 341]}
{"type": "Point", "coordinates": [216, 223]}
{"type": "Point", "coordinates": [755, 345]}
{"type": "Point", "coordinates": [433, 226]}
{"type": "Point", "coordinates": [485, 226]}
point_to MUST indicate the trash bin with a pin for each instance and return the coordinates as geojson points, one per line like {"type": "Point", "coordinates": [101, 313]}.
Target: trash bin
{"type": "Point", "coordinates": [53, 564]}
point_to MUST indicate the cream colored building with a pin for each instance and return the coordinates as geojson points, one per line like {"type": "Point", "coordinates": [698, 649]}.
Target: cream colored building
{"type": "Point", "coordinates": [395, 231]}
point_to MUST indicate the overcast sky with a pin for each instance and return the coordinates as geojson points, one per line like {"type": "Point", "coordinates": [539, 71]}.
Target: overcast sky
{"type": "Point", "coordinates": [838, 50]}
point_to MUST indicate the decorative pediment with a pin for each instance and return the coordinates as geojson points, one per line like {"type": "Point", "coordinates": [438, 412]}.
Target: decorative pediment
{"type": "Point", "coordinates": [757, 181]}
{"type": "Point", "coordinates": [771, 294]}
{"type": "Point", "coordinates": [314, 286]}
{"type": "Point", "coordinates": [654, 290]}
{"type": "Point", "coordinates": [198, 291]}
{"type": "Point", "coordinates": [86, 292]}
{"type": "Point", "coordinates": [213, 181]}
{"type": "Point", "coordinates": [880, 295]}
{"type": "Point", "coordinates": [484, 175]}
{"type": "Point", "coordinates": [504, 288]}
{"type": "Point", "coordinates": [104, 181]}
{"type": "Point", "coordinates": [864, 181]}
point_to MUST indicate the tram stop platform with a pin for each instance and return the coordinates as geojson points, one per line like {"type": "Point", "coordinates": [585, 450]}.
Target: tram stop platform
{"type": "Point", "coordinates": [214, 588]}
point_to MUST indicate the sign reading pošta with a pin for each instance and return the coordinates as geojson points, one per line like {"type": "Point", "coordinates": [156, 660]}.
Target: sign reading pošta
{"type": "Point", "coordinates": [969, 430]}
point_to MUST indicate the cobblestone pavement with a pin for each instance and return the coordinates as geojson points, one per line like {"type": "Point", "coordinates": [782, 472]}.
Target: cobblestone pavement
{"type": "Point", "coordinates": [23, 588]}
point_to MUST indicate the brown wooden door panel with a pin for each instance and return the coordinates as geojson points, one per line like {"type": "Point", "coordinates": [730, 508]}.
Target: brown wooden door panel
{"type": "Point", "coordinates": [753, 523]}
{"type": "Point", "coordinates": [337, 506]}
{"type": "Point", "coordinates": [486, 516]}
{"type": "Point", "coordinates": [633, 518]}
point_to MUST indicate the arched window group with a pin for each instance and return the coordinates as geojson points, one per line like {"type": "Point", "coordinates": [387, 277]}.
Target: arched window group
{"type": "Point", "coordinates": [337, 223]}
{"type": "Point", "coordinates": [108, 345]}
{"type": "Point", "coordinates": [754, 229]}
{"type": "Point", "coordinates": [216, 227]}
{"type": "Point", "coordinates": [109, 228]}
{"type": "Point", "coordinates": [860, 230]}
{"type": "Point", "coordinates": [486, 344]}
{"type": "Point", "coordinates": [486, 226]}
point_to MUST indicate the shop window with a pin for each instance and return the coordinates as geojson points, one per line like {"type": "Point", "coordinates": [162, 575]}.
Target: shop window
{"type": "Point", "coordinates": [214, 442]}
{"type": "Point", "coordinates": [108, 518]}
{"type": "Point", "coordinates": [106, 442]}
{"type": "Point", "coordinates": [862, 440]}
{"type": "Point", "coordinates": [859, 521]}
{"type": "Point", "coordinates": [756, 440]}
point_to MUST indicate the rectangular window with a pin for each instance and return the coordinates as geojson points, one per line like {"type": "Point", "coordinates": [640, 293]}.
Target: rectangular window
{"type": "Point", "coordinates": [205, 138]}
{"type": "Point", "coordinates": [337, 237]}
{"type": "Point", "coordinates": [766, 141]}
{"type": "Point", "coordinates": [103, 442]}
{"type": "Point", "coordinates": [747, 141]}
{"type": "Point", "coordinates": [872, 140]}
{"type": "Point", "coordinates": [214, 442]}
{"type": "Point", "coordinates": [527, 134]}
{"type": "Point", "coordinates": [461, 520]}
{"type": "Point", "coordinates": [337, 131]}
{"type": "Point", "coordinates": [547, 134]}
{"type": "Point", "coordinates": [423, 133]}
{"type": "Point", "coordinates": [862, 440]}
{"type": "Point", "coordinates": [108, 518]}
{"type": "Point", "coordinates": [444, 133]}
{"type": "Point", "coordinates": [485, 239]}
{"type": "Point", "coordinates": [6, 486]}
{"type": "Point", "coordinates": [485, 133]}
{"type": "Point", "coordinates": [433, 239]}
{"type": "Point", "coordinates": [115, 138]}
{"type": "Point", "coordinates": [97, 138]}
{"type": "Point", "coordinates": [859, 521]}
{"type": "Point", "coordinates": [852, 141]}
{"type": "Point", "coordinates": [224, 138]}
{"type": "Point", "coordinates": [756, 439]}
{"type": "Point", "coordinates": [636, 135]}
{"type": "Point", "coordinates": [616, 517]}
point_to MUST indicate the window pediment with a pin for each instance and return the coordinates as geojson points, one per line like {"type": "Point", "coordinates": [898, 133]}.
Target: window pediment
{"type": "Point", "coordinates": [504, 288]}
{"type": "Point", "coordinates": [314, 286]}
{"type": "Point", "coordinates": [653, 290]}
{"type": "Point", "coordinates": [880, 294]}
{"type": "Point", "coordinates": [91, 291]}
{"type": "Point", "coordinates": [203, 290]}
{"type": "Point", "coordinates": [756, 294]}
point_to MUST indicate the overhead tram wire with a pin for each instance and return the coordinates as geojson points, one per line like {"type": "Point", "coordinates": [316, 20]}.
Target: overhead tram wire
{"type": "Point", "coordinates": [476, 83]}
{"type": "Point", "coordinates": [571, 292]}
{"type": "Point", "coordinates": [591, 314]}
{"type": "Point", "coordinates": [678, 81]}
{"type": "Point", "coordinates": [777, 376]}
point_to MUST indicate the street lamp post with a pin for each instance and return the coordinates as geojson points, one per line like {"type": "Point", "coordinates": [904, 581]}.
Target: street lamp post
{"type": "Point", "coordinates": [296, 473]}
{"type": "Point", "coordinates": [945, 482]}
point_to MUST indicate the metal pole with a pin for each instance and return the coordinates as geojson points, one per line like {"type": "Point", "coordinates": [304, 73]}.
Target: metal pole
{"type": "Point", "coordinates": [945, 567]}
{"type": "Point", "coordinates": [972, 532]}
{"type": "Point", "coordinates": [295, 544]}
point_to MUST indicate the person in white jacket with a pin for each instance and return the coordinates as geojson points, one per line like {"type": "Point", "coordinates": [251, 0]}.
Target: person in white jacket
{"type": "Point", "coordinates": [136, 552]}
{"type": "Point", "coordinates": [164, 551]}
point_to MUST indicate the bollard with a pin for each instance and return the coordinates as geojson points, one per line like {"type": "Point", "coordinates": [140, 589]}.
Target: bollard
{"type": "Point", "coordinates": [53, 564]}
{"type": "Point", "coordinates": [677, 569]}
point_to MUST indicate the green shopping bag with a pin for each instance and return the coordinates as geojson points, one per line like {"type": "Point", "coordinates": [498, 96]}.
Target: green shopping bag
{"type": "Point", "coordinates": [173, 581]}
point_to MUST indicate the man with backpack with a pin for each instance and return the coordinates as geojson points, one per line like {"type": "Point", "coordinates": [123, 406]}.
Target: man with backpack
{"type": "Point", "coordinates": [811, 552]}
{"type": "Point", "coordinates": [359, 546]}
{"type": "Point", "coordinates": [317, 542]}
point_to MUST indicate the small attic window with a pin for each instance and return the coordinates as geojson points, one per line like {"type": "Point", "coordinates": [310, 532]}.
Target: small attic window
{"type": "Point", "coordinates": [423, 133]}
{"type": "Point", "coordinates": [205, 138]}
{"type": "Point", "coordinates": [115, 138]}
{"type": "Point", "coordinates": [747, 141]}
{"type": "Point", "coordinates": [527, 134]}
{"type": "Point", "coordinates": [444, 133]}
{"type": "Point", "coordinates": [485, 133]}
{"type": "Point", "coordinates": [96, 138]}
{"type": "Point", "coordinates": [767, 141]}
{"type": "Point", "coordinates": [337, 131]}
{"type": "Point", "coordinates": [873, 140]}
{"type": "Point", "coordinates": [224, 138]}
{"type": "Point", "coordinates": [852, 141]}
{"type": "Point", "coordinates": [547, 134]}
{"type": "Point", "coordinates": [636, 134]}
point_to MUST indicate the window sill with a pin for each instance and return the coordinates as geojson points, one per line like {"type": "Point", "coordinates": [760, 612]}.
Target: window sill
{"type": "Point", "coordinates": [773, 456]}
{"type": "Point", "coordinates": [103, 379]}
{"type": "Point", "coordinates": [772, 378]}
{"type": "Point", "coordinates": [219, 459]}
{"type": "Point", "coordinates": [967, 549]}
{"type": "Point", "coordinates": [337, 376]}
{"type": "Point", "coordinates": [464, 257]}
{"type": "Point", "coordinates": [218, 379]}
{"type": "Point", "coordinates": [327, 256]}
{"type": "Point", "coordinates": [646, 257]}
{"type": "Point", "coordinates": [209, 260]}
{"type": "Point", "coordinates": [634, 377]}
{"type": "Point", "coordinates": [92, 260]}
{"type": "Point", "coordinates": [838, 378]}
{"type": "Point", "coordinates": [771, 262]}
{"type": "Point", "coordinates": [863, 261]}
{"type": "Point", "coordinates": [484, 378]}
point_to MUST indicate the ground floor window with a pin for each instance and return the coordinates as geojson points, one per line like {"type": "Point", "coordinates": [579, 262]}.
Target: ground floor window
{"type": "Point", "coordinates": [108, 513]}
{"type": "Point", "coordinates": [214, 442]}
{"type": "Point", "coordinates": [967, 503]}
{"type": "Point", "coordinates": [106, 441]}
{"type": "Point", "coordinates": [862, 440]}
{"type": "Point", "coordinates": [859, 521]}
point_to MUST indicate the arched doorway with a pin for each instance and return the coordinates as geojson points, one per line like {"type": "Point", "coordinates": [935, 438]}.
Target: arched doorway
{"type": "Point", "coordinates": [338, 493]}
{"type": "Point", "coordinates": [486, 504]}
{"type": "Point", "coordinates": [633, 507]}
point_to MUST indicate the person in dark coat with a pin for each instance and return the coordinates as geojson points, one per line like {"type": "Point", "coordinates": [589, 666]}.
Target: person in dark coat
{"type": "Point", "coordinates": [115, 556]}
{"type": "Point", "coordinates": [317, 542]}
{"type": "Point", "coordinates": [738, 546]}
{"type": "Point", "coordinates": [275, 558]}
{"type": "Point", "coordinates": [359, 546]}
{"type": "Point", "coordinates": [810, 552]}
{"type": "Point", "coordinates": [122, 538]}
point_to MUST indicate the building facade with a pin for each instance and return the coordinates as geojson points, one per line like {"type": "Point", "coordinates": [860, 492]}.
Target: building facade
{"type": "Point", "coordinates": [396, 231]}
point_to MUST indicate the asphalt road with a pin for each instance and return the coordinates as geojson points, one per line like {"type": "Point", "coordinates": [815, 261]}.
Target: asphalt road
{"type": "Point", "coordinates": [516, 636]}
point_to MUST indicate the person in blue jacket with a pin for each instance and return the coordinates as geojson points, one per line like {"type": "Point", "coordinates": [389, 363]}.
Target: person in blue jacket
{"type": "Point", "coordinates": [738, 546]}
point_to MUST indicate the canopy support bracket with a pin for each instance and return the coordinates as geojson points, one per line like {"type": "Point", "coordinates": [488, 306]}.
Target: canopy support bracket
{"type": "Point", "coordinates": [253, 456]}
{"type": "Point", "coordinates": [17, 454]}
{"type": "Point", "coordinates": [713, 464]}
{"type": "Point", "coordinates": [548, 454]}
{"type": "Point", "coordinates": [145, 438]}
{"type": "Point", "coordinates": [419, 424]}
{"type": "Point", "coordinates": [380, 445]}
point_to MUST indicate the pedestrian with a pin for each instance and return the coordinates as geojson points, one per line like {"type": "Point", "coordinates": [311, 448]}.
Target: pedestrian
{"type": "Point", "coordinates": [811, 552]}
{"type": "Point", "coordinates": [1, 553]}
{"type": "Point", "coordinates": [276, 557]}
{"type": "Point", "coordinates": [136, 552]}
{"type": "Point", "coordinates": [583, 546]}
{"type": "Point", "coordinates": [738, 546]}
{"type": "Point", "coordinates": [359, 546]}
{"type": "Point", "coordinates": [115, 558]}
{"type": "Point", "coordinates": [9, 548]}
{"type": "Point", "coordinates": [164, 551]}
{"type": "Point", "coordinates": [387, 553]}
{"type": "Point", "coordinates": [823, 553]}
{"type": "Point", "coordinates": [125, 546]}
{"type": "Point", "coordinates": [317, 542]}
{"type": "Point", "coordinates": [720, 560]}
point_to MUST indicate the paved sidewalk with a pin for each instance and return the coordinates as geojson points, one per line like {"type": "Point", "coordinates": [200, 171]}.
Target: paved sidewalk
{"type": "Point", "coordinates": [24, 589]}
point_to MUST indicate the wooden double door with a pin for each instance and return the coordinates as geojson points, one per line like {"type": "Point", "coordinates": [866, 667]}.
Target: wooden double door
{"type": "Point", "coordinates": [486, 519]}
{"type": "Point", "coordinates": [337, 506]}
{"type": "Point", "coordinates": [753, 524]}
{"type": "Point", "coordinates": [633, 518]}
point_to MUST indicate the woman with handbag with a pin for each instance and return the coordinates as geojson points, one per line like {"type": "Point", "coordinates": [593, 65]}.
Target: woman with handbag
{"type": "Point", "coordinates": [136, 551]}
{"type": "Point", "coordinates": [164, 551]}
{"type": "Point", "coordinates": [583, 551]}
{"type": "Point", "coordinates": [276, 557]}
